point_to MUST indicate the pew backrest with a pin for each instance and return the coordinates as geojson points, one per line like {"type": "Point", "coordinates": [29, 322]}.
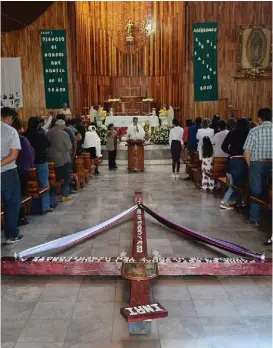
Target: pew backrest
{"type": "Point", "coordinates": [219, 167]}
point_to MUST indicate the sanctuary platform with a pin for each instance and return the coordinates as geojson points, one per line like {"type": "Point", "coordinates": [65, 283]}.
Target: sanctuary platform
{"type": "Point", "coordinates": [153, 154]}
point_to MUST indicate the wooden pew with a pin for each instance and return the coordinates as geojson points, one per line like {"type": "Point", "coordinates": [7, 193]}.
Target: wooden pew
{"type": "Point", "coordinates": [53, 183]}
{"type": "Point", "coordinates": [86, 166]}
{"type": "Point", "coordinates": [194, 162]}
{"type": "Point", "coordinates": [219, 172]}
{"type": "Point", "coordinates": [26, 204]}
{"type": "Point", "coordinates": [219, 167]}
{"type": "Point", "coordinates": [75, 178]}
{"type": "Point", "coordinates": [185, 157]}
{"type": "Point", "coordinates": [79, 171]}
{"type": "Point", "coordinates": [87, 162]}
{"type": "Point", "coordinates": [98, 160]}
{"type": "Point", "coordinates": [33, 189]}
{"type": "Point", "coordinates": [197, 175]}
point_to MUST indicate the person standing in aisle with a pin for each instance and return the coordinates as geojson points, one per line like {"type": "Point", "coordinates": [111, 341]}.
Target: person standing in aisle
{"type": "Point", "coordinates": [258, 155]}
{"type": "Point", "coordinates": [111, 146]}
{"type": "Point", "coordinates": [175, 142]}
{"type": "Point", "coordinates": [59, 152]}
{"type": "Point", "coordinates": [10, 184]}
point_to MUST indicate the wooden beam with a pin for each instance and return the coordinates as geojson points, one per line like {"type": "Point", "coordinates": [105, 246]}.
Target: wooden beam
{"type": "Point", "coordinates": [92, 266]}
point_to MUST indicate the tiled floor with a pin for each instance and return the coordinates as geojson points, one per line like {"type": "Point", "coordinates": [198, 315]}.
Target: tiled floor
{"type": "Point", "coordinates": [75, 312]}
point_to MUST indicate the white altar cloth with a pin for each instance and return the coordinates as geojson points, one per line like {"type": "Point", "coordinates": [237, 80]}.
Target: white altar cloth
{"type": "Point", "coordinates": [126, 121]}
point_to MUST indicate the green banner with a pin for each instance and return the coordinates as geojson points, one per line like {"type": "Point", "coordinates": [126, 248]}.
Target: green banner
{"type": "Point", "coordinates": [205, 61]}
{"type": "Point", "coordinates": [55, 68]}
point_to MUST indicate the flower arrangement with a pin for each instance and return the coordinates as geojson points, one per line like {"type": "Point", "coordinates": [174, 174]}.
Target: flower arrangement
{"type": "Point", "coordinates": [102, 113]}
{"type": "Point", "coordinates": [102, 133]}
{"type": "Point", "coordinates": [160, 136]}
{"type": "Point", "coordinates": [114, 100]}
{"type": "Point", "coordinates": [147, 100]}
{"type": "Point", "coordinates": [163, 112]}
{"type": "Point", "coordinates": [253, 73]}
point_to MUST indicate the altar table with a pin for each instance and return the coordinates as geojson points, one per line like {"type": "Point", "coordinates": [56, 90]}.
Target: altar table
{"type": "Point", "coordinates": [126, 121]}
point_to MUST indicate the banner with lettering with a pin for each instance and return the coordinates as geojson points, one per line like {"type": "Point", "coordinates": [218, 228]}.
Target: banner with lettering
{"type": "Point", "coordinates": [11, 83]}
{"type": "Point", "coordinates": [205, 61]}
{"type": "Point", "coordinates": [55, 68]}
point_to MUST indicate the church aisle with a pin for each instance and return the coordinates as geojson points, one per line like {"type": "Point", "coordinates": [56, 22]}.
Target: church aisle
{"type": "Point", "coordinates": [112, 192]}
{"type": "Point", "coordinates": [78, 312]}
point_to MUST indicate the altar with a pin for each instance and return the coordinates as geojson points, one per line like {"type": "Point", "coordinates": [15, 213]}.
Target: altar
{"type": "Point", "coordinates": [129, 105]}
{"type": "Point", "coordinates": [126, 121]}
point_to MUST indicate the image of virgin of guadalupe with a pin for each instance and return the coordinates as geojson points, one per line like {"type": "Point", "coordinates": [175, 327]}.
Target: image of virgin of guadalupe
{"type": "Point", "coordinates": [256, 48]}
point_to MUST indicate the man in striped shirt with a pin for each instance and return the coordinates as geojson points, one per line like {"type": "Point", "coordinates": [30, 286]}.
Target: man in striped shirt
{"type": "Point", "coordinates": [258, 155]}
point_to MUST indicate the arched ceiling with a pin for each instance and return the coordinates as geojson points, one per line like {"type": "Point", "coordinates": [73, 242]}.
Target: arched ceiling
{"type": "Point", "coordinates": [16, 15]}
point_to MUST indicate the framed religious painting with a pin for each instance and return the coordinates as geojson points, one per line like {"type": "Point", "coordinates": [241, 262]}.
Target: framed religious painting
{"type": "Point", "coordinates": [254, 56]}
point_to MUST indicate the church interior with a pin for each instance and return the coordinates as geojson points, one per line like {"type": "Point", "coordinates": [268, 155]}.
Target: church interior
{"type": "Point", "coordinates": [136, 174]}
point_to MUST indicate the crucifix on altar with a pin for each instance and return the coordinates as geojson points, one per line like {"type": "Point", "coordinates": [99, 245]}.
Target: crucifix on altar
{"type": "Point", "coordinates": [137, 267]}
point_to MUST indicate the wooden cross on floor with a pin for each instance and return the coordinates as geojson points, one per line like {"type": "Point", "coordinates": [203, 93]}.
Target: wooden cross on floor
{"type": "Point", "coordinates": [139, 269]}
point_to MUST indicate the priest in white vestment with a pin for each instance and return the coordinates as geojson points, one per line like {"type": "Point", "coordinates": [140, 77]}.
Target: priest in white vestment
{"type": "Point", "coordinates": [135, 131]}
{"type": "Point", "coordinates": [92, 114]}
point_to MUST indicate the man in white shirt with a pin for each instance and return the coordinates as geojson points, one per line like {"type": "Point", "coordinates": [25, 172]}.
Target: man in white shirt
{"type": "Point", "coordinates": [65, 111]}
{"type": "Point", "coordinates": [218, 140]}
{"type": "Point", "coordinates": [10, 184]}
{"type": "Point", "coordinates": [135, 131]}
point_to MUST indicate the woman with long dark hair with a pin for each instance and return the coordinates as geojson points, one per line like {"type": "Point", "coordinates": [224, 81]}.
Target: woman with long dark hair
{"type": "Point", "coordinates": [206, 156]}
{"type": "Point", "coordinates": [175, 141]}
{"type": "Point", "coordinates": [237, 167]}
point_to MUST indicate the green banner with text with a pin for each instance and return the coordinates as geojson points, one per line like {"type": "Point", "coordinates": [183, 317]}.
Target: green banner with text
{"type": "Point", "coordinates": [55, 68]}
{"type": "Point", "coordinates": [205, 61]}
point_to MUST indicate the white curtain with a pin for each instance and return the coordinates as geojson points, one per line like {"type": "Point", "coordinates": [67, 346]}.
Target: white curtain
{"type": "Point", "coordinates": [11, 83]}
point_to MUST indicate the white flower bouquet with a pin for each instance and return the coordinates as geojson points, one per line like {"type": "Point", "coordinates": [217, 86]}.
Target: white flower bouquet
{"type": "Point", "coordinates": [160, 136]}
{"type": "Point", "coordinates": [102, 133]}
